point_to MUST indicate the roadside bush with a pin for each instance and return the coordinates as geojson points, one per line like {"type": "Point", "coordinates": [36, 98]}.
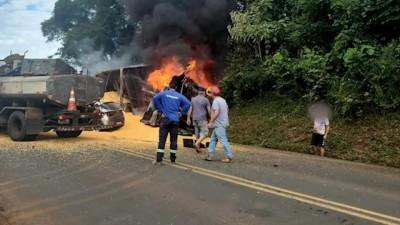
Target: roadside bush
{"type": "Point", "coordinates": [245, 78]}
{"type": "Point", "coordinates": [280, 123]}
{"type": "Point", "coordinates": [346, 52]}
{"type": "Point", "coordinates": [370, 80]}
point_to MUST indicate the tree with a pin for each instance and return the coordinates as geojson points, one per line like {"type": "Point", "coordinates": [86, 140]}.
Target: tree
{"type": "Point", "coordinates": [256, 26]}
{"type": "Point", "coordinates": [88, 25]}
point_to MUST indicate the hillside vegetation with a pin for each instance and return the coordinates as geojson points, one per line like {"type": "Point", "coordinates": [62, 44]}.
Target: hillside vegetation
{"type": "Point", "coordinates": [283, 124]}
{"type": "Point", "coordinates": [344, 51]}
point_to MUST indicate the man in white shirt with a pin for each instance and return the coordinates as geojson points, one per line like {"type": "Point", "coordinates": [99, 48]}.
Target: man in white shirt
{"type": "Point", "coordinates": [321, 129]}
{"type": "Point", "coordinates": [219, 122]}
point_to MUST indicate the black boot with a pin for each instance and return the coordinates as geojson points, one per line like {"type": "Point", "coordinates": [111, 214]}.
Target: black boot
{"type": "Point", "coordinates": [173, 157]}
{"type": "Point", "coordinates": [160, 156]}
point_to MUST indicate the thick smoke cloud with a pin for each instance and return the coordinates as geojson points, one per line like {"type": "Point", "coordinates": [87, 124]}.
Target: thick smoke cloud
{"type": "Point", "coordinates": [187, 29]}
{"type": "Point", "coordinates": [96, 60]}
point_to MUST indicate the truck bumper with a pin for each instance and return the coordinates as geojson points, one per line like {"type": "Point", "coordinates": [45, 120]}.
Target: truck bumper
{"type": "Point", "coordinates": [84, 128]}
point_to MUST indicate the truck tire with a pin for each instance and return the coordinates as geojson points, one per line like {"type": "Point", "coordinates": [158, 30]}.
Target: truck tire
{"type": "Point", "coordinates": [16, 127]}
{"type": "Point", "coordinates": [68, 134]}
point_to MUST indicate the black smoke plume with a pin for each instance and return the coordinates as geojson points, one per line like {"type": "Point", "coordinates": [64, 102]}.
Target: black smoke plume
{"type": "Point", "coordinates": [187, 29]}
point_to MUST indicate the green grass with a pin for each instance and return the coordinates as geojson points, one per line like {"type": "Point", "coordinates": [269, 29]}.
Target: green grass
{"type": "Point", "coordinates": [283, 124]}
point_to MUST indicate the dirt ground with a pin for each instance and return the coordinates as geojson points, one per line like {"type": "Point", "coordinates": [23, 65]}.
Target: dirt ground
{"type": "Point", "coordinates": [132, 134]}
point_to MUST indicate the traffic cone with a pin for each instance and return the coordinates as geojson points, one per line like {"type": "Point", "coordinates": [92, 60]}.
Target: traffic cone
{"type": "Point", "coordinates": [71, 101]}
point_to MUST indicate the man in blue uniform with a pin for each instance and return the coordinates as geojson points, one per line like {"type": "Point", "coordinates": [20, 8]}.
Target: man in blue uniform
{"type": "Point", "coordinates": [169, 103]}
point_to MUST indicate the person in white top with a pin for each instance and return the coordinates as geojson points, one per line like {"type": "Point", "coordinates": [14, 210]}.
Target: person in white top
{"type": "Point", "coordinates": [321, 127]}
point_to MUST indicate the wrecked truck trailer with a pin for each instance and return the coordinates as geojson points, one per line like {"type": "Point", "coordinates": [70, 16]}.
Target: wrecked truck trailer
{"type": "Point", "coordinates": [36, 101]}
{"type": "Point", "coordinates": [131, 85]}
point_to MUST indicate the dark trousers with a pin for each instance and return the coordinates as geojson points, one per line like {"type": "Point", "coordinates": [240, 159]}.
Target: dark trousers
{"type": "Point", "coordinates": [171, 127]}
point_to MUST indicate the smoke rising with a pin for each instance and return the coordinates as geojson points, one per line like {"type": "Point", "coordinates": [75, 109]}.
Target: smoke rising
{"type": "Point", "coordinates": [187, 29]}
{"type": "Point", "coordinates": [96, 60]}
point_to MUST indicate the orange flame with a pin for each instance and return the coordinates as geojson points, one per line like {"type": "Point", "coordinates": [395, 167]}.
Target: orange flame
{"type": "Point", "coordinates": [196, 70]}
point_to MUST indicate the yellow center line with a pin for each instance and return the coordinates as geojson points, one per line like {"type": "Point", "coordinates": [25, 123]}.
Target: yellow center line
{"type": "Point", "coordinates": [339, 207]}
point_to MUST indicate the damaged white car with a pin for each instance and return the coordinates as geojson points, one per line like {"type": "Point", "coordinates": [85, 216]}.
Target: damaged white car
{"type": "Point", "coordinates": [111, 114]}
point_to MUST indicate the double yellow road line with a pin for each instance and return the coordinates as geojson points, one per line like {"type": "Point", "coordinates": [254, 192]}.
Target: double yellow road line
{"type": "Point", "coordinates": [338, 207]}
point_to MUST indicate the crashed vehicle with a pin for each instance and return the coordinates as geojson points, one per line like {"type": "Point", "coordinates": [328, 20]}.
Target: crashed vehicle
{"type": "Point", "coordinates": [131, 83]}
{"type": "Point", "coordinates": [111, 115]}
{"type": "Point", "coordinates": [188, 88]}
{"type": "Point", "coordinates": [35, 95]}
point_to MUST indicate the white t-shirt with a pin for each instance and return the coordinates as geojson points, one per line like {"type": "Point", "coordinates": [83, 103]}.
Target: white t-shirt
{"type": "Point", "coordinates": [222, 119]}
{"type": "Point", "coordinates": [320, 124]}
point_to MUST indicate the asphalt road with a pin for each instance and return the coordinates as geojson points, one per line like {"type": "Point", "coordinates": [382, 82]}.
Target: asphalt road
{"type": "Point", "coordinates": [115, 183]}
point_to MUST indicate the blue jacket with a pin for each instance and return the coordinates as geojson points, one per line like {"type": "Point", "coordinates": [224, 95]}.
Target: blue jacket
{"type": "Point", "coordinates": [170, 103]}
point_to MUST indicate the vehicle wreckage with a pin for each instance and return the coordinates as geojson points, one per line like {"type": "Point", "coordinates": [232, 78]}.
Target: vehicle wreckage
{"type": "Point", "coordinates": [131, 83]}
{"type": "Point", "coordinates": [188, 88]}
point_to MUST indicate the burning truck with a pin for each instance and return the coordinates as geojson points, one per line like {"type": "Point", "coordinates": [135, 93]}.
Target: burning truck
{"type": "Point", "coordinates": [185, 39]}
{"type": "Point", "coordinates": [140, 83]}
{"type": "Point", "coordinates": [195, 74]}
{"type": "Point", "coordinates": [188, 88]}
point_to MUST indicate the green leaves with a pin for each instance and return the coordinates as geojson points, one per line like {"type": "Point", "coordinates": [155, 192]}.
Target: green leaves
{"type": "Point", "coordinates": [345, 51]}
{"type": "Point", "coordinates": [255, 25]}
{"type": "Point", "coordinates": [88, 25]}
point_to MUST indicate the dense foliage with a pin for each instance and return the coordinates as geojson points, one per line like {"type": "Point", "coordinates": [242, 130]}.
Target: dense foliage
{"type": "Point", "coordinates": [343, 51]}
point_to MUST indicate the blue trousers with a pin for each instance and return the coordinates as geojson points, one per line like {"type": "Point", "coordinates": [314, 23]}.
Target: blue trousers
{"type": "Point", "coordinates": [219, 134]}
{"type": "Point", "coordinates": [171, 128]}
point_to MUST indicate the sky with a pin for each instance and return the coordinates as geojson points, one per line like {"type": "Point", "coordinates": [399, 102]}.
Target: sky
{"type": "Point", "coordinates": [20, 28]}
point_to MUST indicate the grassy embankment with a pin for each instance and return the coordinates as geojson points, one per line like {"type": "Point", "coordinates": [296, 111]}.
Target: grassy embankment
{"type": "Point", "coordinates": [283, 124]}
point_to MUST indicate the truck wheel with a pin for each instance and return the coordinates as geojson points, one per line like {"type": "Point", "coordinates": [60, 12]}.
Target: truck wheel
{"type": "Point", "coordinates": [68, 134]}
{"type": "Point", "coordinates": [16, 127]}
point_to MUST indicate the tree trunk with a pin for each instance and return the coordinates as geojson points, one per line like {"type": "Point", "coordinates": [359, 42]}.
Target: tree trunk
{"type": "Point", "coordinates": [259, 51]}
